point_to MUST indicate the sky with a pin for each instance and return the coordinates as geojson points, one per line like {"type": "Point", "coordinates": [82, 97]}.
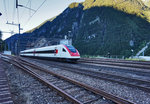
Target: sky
{"type": "Point", "coordinates": [10, 13]}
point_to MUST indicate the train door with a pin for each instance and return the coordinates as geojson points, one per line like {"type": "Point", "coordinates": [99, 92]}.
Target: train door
{"type": "Point", "coordinates": [63, 52]}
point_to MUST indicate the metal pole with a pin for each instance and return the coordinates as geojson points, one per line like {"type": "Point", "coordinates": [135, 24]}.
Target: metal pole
{"type": "Point", "coordinates": [18, 42]}
{"type": "Point", "coordinates": [16, 3]}
{"type": "Point", "coordinates": [19, 28]}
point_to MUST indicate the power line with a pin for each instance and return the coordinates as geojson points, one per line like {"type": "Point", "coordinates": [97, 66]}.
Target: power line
{"type": "Point", "coordinates": [15, 25]}
{"type": "Point", "coordinates": [30, 7]}
{"type": "Point", "coordinates": [13, 15]}
{"type": "Point", "coordinates": [27, 7]}
{"type": "Point", "coordinates": [24, 9]}
{"type": "Point", "coordinates": [17, 11]}
{"type": "Point", "coordinates": [5, 9]}
{"type": "Point", "coordinates": [18, 40]}
{"type": "Point", "coordinates": [8, 9]}
{"type": "Point", "coordinates": [35, 12]}
{"type": "Point", "coordinates": [18, 15]}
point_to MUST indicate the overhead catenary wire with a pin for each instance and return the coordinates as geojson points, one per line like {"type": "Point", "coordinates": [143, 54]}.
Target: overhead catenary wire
{"type": "Point", "coordinates": [4, 1]}
{"type": "Point", "coordinates": [14, 11]}
{"type": "Point", "coordinates": [18, 15]}
{"type": "Point", "coordinates": [8, 11]}
{"type": "Point", "coordinates": [22, 14]}
{"type": "Point", "coordinates": [5, 9]}
{"type": "Point", "coordinates": [35, 12]}
{"type": "Point", "coordinates": [30, 7]}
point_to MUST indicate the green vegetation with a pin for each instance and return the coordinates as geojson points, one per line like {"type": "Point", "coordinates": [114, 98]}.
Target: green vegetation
{"type": "Point", "coordinates": [106, 56]}
{"type": "Point", "coordinates": [128, 6]}
{"type": "Point", "coordinates": [100, 27]}
{"type": "Point", "coordinates": [135, 59]}
{"type": "Point", "coordinates": [147, 51]}
{"type": "Point", "coordinates": [113, 32]}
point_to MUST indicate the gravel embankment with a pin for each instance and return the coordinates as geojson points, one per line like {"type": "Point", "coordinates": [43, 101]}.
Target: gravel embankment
{"type": "Point", "coordinates": [130, 73]}
{"type": "Point", "coordinates": [77, 92]}
{"type": "Point", "coordinates": [27, 90]}
{"type": "Point", "coordinates": [135, 95]}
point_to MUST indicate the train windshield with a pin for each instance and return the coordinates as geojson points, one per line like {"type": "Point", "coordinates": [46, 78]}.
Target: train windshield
{"type": "Point", "coordinates": [71, 48]}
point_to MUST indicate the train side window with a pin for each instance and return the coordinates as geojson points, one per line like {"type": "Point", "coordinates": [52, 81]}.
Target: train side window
{"type": "Point", "coordinates": [64, 50]}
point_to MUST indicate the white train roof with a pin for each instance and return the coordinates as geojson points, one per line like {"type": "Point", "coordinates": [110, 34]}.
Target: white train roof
{"type": "Point", "coordinates": [42, 48]}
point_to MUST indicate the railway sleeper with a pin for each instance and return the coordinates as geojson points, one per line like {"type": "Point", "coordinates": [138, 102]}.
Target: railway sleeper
{"type": "Point", "coordinates": [38, 77]}
{"type": "Point", "coordinates": [68, 87]}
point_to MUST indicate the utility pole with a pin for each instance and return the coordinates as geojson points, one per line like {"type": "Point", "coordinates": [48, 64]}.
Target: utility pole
{"type": "Point", "coordinates": [17, 45]}
{"type": "Point", "coordinates": [18, 5]}
{"type": "Point", "coordinates": [19, 28]}
{"type": "Point", "coordinates": [23, 6]}
{"type": "Point", "coordinates": [17, 48]}
{"type": "Point", "coordinates": [11, 32]}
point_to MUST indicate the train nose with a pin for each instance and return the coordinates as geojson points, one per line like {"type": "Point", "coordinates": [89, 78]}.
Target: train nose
{"type": "Point", "coordinates": [74, 54]}
{"type": "Point", "coordinates": [71, 53]}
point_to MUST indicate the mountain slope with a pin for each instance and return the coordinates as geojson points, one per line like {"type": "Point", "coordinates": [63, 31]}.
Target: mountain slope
{"type": "Point", "coordinates": [30, 31]}
{"type": "Point", "coordinates": [129, 6]}
{"type": "Point", "coordinates": [97, 27]}
{"type": "Point", "coordinates": [146, 2]}
{"type": "Point", "coordinates": [108, 30]}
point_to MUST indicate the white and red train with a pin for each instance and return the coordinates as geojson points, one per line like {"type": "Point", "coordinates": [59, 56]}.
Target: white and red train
{"type": "Point", "coordinates": [65, 52]}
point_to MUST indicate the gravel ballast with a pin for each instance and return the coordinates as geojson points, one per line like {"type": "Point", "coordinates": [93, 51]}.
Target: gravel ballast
{"type": "Point", "coordinates": [132, 94]}
{"type": "Point", "coordinates": [27, 90]}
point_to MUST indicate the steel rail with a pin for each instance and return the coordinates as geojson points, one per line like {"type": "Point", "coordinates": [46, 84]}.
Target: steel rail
{"type": "Point", "coordinates": [15, 62]}
{"type": "Point", "coordinates": [5, 93]}
{"type": "Point", "coordinates": [109, 77]}
{"type": "Point", "coordinates": [116, 64]}
{"type": "Point", "coordinates": [113, 98]}
{"type": "Point", "coordinates": [118, 61]}
{"type": "Point", "coordinates": [61, 92]}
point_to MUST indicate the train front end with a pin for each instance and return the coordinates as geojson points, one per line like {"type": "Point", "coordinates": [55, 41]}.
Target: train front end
{"type": "Point", "coordinates": [73, 52]}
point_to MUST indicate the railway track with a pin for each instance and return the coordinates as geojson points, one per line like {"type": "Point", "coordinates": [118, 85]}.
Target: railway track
{"type": "Point", "coordinates": [72, 90]}
{"type": "Point", "coordinates": [131, 82]}
{"type": "Point", "coordinates": [5, 95]}
{"type": "Point", "coordinates": [117, 63]}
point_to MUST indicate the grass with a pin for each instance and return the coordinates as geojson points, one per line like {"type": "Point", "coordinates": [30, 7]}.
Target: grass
{"type": "Point", "coordinates": [89, 56]}
{"type": "Point", "coordinates": [100, 56]}
{"type": "Point", "coordinates": [135, 59]}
